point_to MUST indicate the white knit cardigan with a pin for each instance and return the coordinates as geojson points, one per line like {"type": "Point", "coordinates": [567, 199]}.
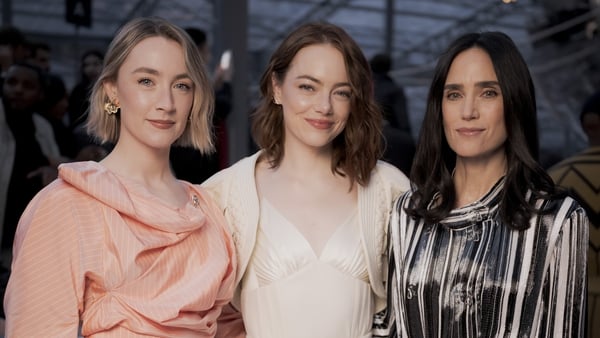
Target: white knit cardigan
{"type": "Point", "coordinates": [234, 190]}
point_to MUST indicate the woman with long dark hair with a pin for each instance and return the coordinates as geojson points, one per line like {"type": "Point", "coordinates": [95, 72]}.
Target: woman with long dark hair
{"type": "Point", "coordinates": [484, 245]}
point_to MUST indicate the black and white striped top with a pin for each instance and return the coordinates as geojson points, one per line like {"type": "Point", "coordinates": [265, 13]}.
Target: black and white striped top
{"type": "Point", "coordinates": [472, 276]}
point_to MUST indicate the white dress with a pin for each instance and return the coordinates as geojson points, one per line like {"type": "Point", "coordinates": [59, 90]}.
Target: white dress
{"type": "Point", "coordinates": [288, 291]}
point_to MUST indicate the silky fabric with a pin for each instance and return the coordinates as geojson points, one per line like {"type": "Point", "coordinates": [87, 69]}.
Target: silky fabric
{"type": "Point", "coordinates": [98, 248]}
{"type": "Point", "coordinates": [284, 265]}
{"type": "Point", "coordinates": [471, 276]}
{"type": "Point", "coordinates": [234, 190]}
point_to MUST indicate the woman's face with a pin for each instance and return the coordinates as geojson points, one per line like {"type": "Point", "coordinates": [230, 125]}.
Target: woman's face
{"type": "Point", "coordinates": [155, 93]}
{"type": "Point", "coordinates": [473, 109]}
{"type": "Point", "coordinates": [315, 97]}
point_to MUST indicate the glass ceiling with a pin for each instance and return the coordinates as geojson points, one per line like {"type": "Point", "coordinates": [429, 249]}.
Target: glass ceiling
{"type": "Point", "coordinates": [564, 72]}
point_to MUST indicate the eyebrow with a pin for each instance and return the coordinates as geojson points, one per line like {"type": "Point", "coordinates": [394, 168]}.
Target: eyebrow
{"type": "Point", "coordinates": [156, 72]}
{"type": "Point", "coordinates": [308, 77]}
{"type": "Point", "coordinates": [481, 84]}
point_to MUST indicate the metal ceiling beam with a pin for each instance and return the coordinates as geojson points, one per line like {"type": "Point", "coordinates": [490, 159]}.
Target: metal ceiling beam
{"type": "Point", "coordinates": [141, 8]}
{"type": "Point", "coordinates": [7, 12]}
{"type": "Point", "coordinates": [434, 44]}
{"type": "Point", "coordinates": [318, 12]}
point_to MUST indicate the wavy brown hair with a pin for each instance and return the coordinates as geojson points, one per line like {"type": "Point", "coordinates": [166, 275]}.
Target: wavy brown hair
{"type": "Point", "coordinates": [357, 149]}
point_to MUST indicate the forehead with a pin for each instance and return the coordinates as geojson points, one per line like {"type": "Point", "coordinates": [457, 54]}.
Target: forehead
{"type": "Point", "coordinates": [156, 51]}
{"type": "Point", "coordinates": [319, 60]}
{"type": "Point", "coordinates": [473, 63]}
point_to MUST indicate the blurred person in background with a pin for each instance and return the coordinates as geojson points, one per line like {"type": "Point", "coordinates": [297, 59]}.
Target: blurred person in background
{"type": "Point", "coordinates": [580, 174]}
{"type": "Point", "coordinates": [399, 144]}
{"type": "Point", "coordinates": [13, 48]}
{"type": "Point", "coordinates": [188, 163]}
{"type": "Point", "coordinates": [31, 154]}
{"type": "Point", "coordinates": [40, 55]}
{"type": "Point", "coordinates": [79, 98]}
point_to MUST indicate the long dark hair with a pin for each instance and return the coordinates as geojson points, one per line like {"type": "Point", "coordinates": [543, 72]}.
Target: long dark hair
{"type": "Point", "coordinates": [434, 159]}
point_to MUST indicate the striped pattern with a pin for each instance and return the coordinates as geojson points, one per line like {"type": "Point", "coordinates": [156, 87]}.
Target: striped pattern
{"type": "Point", "coordinates": [97, 250]}
{"type": "Point", "coordinates": [471, 276]}
{"type": "Point", "coordinates": [580, 174]}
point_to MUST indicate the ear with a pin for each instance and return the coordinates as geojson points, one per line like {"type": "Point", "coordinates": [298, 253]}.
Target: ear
{"type": "Point", "coordinates": [276, 89]}
{"type": "Point", "coordinates": [110, 90]}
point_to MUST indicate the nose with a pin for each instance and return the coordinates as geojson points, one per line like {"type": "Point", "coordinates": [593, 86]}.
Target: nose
{"type": "Point", "coordinates": [165, 100]}
{"type": "Point", "coordinates": [323, 104]}
{"type": "Point", "coordinates": [469, 109]}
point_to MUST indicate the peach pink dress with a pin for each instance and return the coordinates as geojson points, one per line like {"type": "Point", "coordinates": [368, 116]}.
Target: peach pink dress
{"type": "Point", "coordinates": [98, 251]}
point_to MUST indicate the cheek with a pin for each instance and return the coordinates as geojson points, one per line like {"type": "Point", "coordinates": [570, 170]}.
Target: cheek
{"type": "Point", "coordinates": [185, 102]}
{"type": "Point", "coordinates": [295, 102]}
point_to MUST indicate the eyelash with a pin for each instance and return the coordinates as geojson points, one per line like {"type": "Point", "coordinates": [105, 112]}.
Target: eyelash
{"type": "Point", "coordinates": [490, 92]}
{"type": "Point", "coordinates": [486, 93]}
{"type": "Point", "coordinates": [148, 82]}
{"type": "Point", "coordinates": [183, 86]}
{"type": "Point", "coordinates": [306, 87]}
{"type": "Point", "coordinates": [145, 81]}
{"type": "Point", "coordinates": [344, 93]}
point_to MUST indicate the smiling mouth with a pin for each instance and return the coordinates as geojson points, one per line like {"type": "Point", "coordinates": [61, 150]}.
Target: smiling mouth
{"type": "Point", "coordinates": [162, 124]}
{"type": "Point", "coordinates": [320, 124]}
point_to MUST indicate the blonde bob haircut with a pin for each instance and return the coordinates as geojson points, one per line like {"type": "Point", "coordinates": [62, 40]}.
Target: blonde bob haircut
{"type": "Point", "coordinates": [198, 131]}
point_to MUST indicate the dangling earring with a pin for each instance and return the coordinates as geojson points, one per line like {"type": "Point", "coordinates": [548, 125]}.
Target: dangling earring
{"type": "Point", "coordinates": [110, 108]}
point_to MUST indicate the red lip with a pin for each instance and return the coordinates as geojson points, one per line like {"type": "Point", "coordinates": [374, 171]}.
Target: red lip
{"type": "Point", "coordinates": [320, 124]}
{"type": "Point", "coordinates": [162, 124]}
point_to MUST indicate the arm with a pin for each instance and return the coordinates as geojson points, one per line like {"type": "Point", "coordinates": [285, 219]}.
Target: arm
{"type": "Point", "coordinates": [229, 323]}
{"type": "Point", "coordinates": [565, 288]}
{"type": "Point", "coordinates": [385, 322]}
{"type": "Point", "coordinates": [44, 292]}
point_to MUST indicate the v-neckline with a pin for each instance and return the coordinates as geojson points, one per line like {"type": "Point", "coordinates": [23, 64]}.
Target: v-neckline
{"type": "Point", "coordinates": [299, 234]}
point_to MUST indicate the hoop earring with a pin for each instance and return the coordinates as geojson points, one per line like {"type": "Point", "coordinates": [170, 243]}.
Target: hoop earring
{"type": "Point", "coordinates": [110, 108]}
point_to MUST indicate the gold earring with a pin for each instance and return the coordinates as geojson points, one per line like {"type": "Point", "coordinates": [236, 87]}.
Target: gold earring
{"type": "Point", "coordinates": [110, 108]}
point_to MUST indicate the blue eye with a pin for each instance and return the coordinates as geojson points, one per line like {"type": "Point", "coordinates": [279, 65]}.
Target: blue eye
{"type": "Point", "coordinates": [183, 86]}
{"type": "Point", "coordinates": [145, 82]}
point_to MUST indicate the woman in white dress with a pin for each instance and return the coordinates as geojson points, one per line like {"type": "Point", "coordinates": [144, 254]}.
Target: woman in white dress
{"type": "Point", "coordinates": [309, 210]}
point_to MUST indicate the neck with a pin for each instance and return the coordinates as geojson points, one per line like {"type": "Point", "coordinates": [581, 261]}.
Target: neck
{"type": "Point", "coordinates": [473, 180]}
{"type": "Point", "coordinates": [305, 162]}
{"type": "Point", "coordinates": [145, 166]}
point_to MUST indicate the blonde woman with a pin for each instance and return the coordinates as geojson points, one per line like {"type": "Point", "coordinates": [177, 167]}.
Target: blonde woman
{"type": "Point", "coordinates": [122, 246]}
